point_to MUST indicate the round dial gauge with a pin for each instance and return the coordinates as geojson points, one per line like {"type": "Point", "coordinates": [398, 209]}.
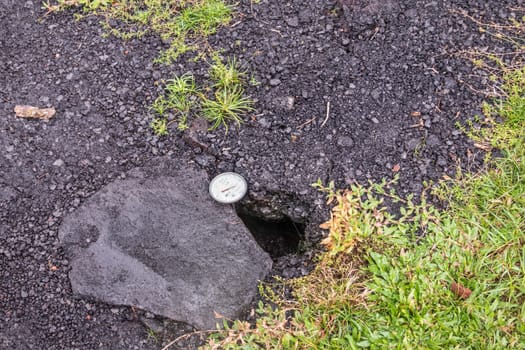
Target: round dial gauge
{"type": "Point", "coordinates": [228, 188]}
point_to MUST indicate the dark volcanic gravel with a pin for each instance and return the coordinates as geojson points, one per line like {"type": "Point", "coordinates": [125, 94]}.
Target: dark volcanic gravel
{"type": "Point", "coordinates": [386, 70]}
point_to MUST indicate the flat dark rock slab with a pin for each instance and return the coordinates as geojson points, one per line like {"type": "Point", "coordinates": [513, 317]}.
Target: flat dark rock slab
{"type": "Point", "coordinates": [161, 244]}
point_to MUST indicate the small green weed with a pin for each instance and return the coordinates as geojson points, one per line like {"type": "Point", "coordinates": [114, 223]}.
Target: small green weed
{"type": "Point", "coordinates": [226, 75]}
{"type": "Point", "coordinates": [179, 97]}
{"type": "Point", "coordinates": [152, 335]}
{"type": "Point", "coordinates": [254, 81]}
{"type": "Point", "coordinates": [159, 126]}
{"type": "Point", "coordinates": [227, 104]}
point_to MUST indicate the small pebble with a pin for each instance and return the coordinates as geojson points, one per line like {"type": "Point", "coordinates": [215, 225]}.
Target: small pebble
{"type": "Point", "coordinates": [293, 21]}
{"type": "Point", "coordinates": [58, 162]}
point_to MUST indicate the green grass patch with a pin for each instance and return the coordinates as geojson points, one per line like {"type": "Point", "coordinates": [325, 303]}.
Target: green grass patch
{"type": "Point", "coordinates": [222, 101]}
{"type": "Point", "coordinates": [184, 24]}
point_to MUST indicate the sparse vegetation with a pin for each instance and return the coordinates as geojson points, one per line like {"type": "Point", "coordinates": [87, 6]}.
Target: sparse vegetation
{"type": "Point", "coordinates": [184, 24]}
{"type": "Point", "coordinates": [184, 100]}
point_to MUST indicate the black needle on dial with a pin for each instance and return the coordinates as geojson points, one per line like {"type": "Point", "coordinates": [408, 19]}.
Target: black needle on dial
{"type": "Point", "coordinates": [229, 188]}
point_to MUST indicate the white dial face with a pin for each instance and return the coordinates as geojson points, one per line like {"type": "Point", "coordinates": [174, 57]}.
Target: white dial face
{"type": "Point", "coordinates": [228, 188]}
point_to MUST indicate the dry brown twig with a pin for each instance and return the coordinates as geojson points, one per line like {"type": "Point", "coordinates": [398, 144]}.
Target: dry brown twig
{"type": "Point", "coordinates": [306, 123]}
{"type": "Point", "coordinates": [187, 335]}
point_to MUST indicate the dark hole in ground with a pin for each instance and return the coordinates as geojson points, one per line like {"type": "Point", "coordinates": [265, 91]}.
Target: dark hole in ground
{"type": "Point", "coordinates": [276, 237]}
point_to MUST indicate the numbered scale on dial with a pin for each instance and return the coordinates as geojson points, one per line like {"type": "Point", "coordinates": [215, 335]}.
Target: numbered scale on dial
{"type": "Point", "coordinates": [228, 188]}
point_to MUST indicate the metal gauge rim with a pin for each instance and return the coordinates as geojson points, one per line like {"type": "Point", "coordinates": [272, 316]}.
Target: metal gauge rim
{"type": "Point", "coordinates": [238, 197]}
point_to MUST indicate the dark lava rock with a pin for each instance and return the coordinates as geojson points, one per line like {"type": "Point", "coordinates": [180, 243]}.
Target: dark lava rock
{"type": "Point", "coordinates": [161, 244]}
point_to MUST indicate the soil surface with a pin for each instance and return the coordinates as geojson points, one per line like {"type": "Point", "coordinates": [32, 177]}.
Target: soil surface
{"type": "Point", "coordinates": [350, 90]}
